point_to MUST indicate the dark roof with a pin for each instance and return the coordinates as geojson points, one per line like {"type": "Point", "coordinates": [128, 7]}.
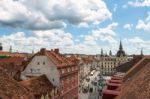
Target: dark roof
{"type": "Point", "coordinates": [38, 85]}
{"type": "Point", "coordinates": [126, 66]}
{"type": "Point", "coordinates": [137, 81]}
{"type": "Point", "coordinates": [10, 89]}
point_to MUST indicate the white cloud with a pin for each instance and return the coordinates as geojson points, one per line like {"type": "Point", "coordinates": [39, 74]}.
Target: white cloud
{"type": "Point", "coordinates": [143, 3]}
{"type": "Point", "coordinates": [59, 39]}
{"type": "Point", "coordinates": [51, 14]}
{"type": "Point", "coordinates": [38, 39]}
{"type": "Point", "coordinates": [101, 35]}
{"type": "Point", "coordinates": [128, 26]}
{"type": "Point", "coordinates": [145, 25]}
{"type": "Point", "coordinates": [105, 34]}
{"type": "Point", "coordinates": [135, 44]}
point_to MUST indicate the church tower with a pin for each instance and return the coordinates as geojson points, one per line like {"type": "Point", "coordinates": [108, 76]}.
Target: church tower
{"type": "Point", "coordinates": [102, 54]}
{"type": "Point", "coordinates": [121, 52]}
{"type": "Point", "coordinates": [142, 53]}
{"type": "Point", "coordinates": [110, 53]}
{"type": "Point", "coordinates": [10, 49]}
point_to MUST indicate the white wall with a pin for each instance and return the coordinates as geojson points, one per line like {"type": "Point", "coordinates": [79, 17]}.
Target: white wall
{"type": "Point", "coordinates": [49, 69]}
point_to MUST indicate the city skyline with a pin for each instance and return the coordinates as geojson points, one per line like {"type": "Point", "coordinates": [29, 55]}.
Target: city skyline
{"type": "Point", "coordinates": [83, 27]}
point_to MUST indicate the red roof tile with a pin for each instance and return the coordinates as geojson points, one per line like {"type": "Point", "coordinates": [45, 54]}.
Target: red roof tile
{"type": "Point", "coordinates": [137, 81]}
{"type": "Point", "coordinates": [10, 89]}
{"type": "Point", "coordinates": [14, 60]}
{"type": "Point", "coordinates": [113, 92]}
{"type": "Point", "coordinates": [38, 85]}
{"type": "Point", "coordinates": [58, 59]}
{"type": "Point", "coordinates": [115, 81]}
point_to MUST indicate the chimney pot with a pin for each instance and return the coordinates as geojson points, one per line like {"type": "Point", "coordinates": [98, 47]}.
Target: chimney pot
{"type": "Point", "coordinates": [56, 51]}
{"type": "Point", "coordinates": [43, 51]}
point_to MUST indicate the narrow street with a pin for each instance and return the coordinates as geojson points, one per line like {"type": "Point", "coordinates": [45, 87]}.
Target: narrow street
{"type": "Point", "coordinates": [90, 88]}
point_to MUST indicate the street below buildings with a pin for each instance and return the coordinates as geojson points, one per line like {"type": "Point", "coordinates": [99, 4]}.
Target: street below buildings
{"type": "Point", "coordinates": [91, 86]}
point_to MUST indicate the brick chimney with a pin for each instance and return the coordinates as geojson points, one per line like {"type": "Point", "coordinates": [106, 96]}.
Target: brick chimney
{"type": "Point", "coordinates": [43, 51]}
{"type": "Point", "coordinates": [56, 51]}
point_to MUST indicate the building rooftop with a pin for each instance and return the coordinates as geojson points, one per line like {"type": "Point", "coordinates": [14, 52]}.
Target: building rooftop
{"type": "Point", "coordinates": [127, 65]}
{"type": "Point", "coordinates": [54, 55]}
{"type": "Point", "coordinates": [10, 89]}
{"type": "Point", "coordinates": [38, 86]}
{"type": "Point", "coordinates": [137, 81]}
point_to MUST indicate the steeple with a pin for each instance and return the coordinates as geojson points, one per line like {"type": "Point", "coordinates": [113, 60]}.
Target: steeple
{"type": "Point", "coordinates": [121, 52]}
{"type": "Point", "coordinates": [102, 54]}
{"type": "Point", "coordinates": [120, 46]}
{"type": "Point", "coordinates": [10, 49]}
{"type": "Point", "coordinates": [141, 52]}
{"type": "Point", "coordinates": [110, 53]}
{"type": "Point", "coordinates": [32, 51]}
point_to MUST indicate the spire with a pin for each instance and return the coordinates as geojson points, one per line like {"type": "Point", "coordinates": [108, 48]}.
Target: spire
{"type": "Point", "coordinates": [141, 52]}
{"type": "Point", "coordinates": [120, 46]}
{"type": "Point", "coordinates": [110, 53]}
{"type": "Point", "coordinates": [102, 54]}
{"type": "Point", "coordinates": [32, 51]}
{"type": "Point", "coordinates": [10, 49]}
{"type": "Point", "coordinates": [121, 52]}
{"type": "Point", "coordinates": [106, 54]}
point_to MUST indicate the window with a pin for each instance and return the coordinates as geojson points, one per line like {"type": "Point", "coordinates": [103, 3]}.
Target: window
{"type": "Point", "coordinates": [38, 70]}
{"type": "Point", "coordinates": [63, 71]}
{"type": "Point", "coordinates": [31, 70]}
{"type": "Point", "coordinates": [43, 63]}
{"type": "Point", "coordinates": [53, 79]}
{"type": "Point", "coordinates": [72, 68]}
{"type": "Point", "coordinates": [68, 69]}
{"type": "Point", "coordinates": [38, 63]}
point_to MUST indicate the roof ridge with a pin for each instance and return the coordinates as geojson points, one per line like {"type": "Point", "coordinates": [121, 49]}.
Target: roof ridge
{"type": "Point", "coordinates": [135, 68]}
{"type": "Point", "coordinates": [50, 56]}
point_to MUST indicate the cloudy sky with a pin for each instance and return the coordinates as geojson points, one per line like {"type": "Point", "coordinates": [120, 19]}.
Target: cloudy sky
{"type": "Point", "coordinates": [75, 26]}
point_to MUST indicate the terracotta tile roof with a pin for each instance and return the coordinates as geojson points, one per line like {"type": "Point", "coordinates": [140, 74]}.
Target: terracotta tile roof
{"type": "Point", "coordinates": [13, 60]}
{"type": "Point", "coordinates": [113, 84]}
{"type": "Point", "coordinates": [12, 66]}
{"type": "Point", "coordinates": [137, 81]}
{"type": "Point", "coordinates": [4, 53]}
{"type": "Point", "coordinates": [111, 92]}
{"type": "Point", "coordinates": [116, 78]}
{"type": "Point", "coordinates": [87, 59]}
{"type": "Point", "coordinates": [10, 89]}
{"type": "Point", "coordinates": [58, 59]}
{"type": "Point", "coordinates": [38, 86]}
{"type": "Point", "coordinates": [73, 58]}
{"type": "Point", "coordinates": [24, 55]}
{"type": "Point", "coordinates": [115, 81]}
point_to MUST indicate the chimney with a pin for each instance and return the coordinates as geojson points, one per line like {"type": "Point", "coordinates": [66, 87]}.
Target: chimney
{"type": "Point", "coordinates": [43, 51]}
{"type": "Point", "coordinates": [56, 51]}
